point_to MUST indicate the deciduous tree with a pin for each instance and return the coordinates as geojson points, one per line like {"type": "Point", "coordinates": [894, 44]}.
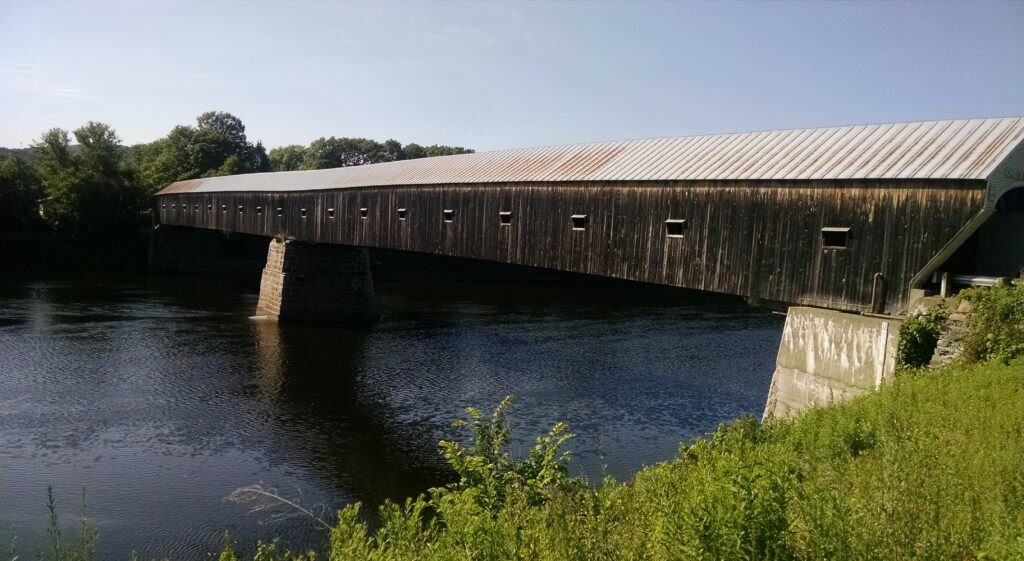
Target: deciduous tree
{"type": "Point", "coordinates": [287, 158]}
{"type": "Point", "coordinates": [20, 192]}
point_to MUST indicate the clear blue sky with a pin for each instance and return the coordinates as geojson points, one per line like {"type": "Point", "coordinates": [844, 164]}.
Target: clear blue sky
{"type": "Point", "coordinates": [495, 75]}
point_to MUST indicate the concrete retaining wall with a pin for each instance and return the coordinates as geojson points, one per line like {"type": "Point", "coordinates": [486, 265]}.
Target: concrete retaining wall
{"type": "Point", "coordinates": [827, 356]}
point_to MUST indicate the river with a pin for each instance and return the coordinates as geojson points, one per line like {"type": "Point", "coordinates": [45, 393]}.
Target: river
{"type": "Point", "coordinates": [159, 397]}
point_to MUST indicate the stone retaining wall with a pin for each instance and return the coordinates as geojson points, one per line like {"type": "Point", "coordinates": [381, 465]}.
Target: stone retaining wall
{"type": "Point", "coordinates": [951, 336]}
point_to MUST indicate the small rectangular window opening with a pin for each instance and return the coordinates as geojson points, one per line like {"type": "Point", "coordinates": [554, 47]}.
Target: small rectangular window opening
{"type": "Point", "coordinates": [280, 211]}
{"type": "Point", "coordinates": [403, 214]}
{"type": "Point", "coordinates": [223, 208]}
{"type": "Point", "coordinates": [197, 208]}
{"type": "Point", "coordinates": [174, 207]}
{"type": "Point", "coordinates": [835, 238]}
{"type": "Point", "coordinates": [165, 206]}
{"type": "Point", "coordinates": [259, 210]}
{"type": "Point", "coordinates": [302, 212]}
{"type": "Point", "coordinates": [364, 213]}
{"type": "Point", "coordinates": [674, 228]}
{"type": "Point", "coordinates": [209, 207]}
{"type": "Point", "coordinates": [505, 217]}
{"type": "Point", "coordinates": [579, 222]}
{"type": "Point", "coordinates": [449, 215]}
{"type": "Point", "coordinates": [330, 213]}
{"type": "Point", "coordinates": [239, 209]}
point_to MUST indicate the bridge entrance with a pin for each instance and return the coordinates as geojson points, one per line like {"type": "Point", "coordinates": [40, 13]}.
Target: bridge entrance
{"type": "Point", "coordinates": [1000, 244]}
{"type": "Point", "coordinates": [995, 251]}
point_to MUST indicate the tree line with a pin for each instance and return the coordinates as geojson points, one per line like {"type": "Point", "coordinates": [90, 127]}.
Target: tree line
{"type": "Point", "coordinates": [85, 188]}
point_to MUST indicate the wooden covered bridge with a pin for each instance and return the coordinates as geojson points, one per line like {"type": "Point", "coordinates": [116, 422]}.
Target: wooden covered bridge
{"type": "Point", "coordinates": [847, 218]}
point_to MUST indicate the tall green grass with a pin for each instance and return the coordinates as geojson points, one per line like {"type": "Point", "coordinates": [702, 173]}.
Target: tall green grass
{"type": "Point", "coordinates": [931, 467]}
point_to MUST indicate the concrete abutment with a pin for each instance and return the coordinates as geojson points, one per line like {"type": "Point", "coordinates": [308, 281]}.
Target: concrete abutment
{"type": "Point", "coordinates": [827, 356]}
{"type": "Point", "coordinates": [317, 283]}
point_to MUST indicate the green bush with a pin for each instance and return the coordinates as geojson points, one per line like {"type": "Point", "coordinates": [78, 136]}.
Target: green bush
{"type": "Point", "coordinates": [486, 469]}
{"type": "Point", "coordinates": [997, 327]}
{"type": "Point", "coordinates": [919, 334]}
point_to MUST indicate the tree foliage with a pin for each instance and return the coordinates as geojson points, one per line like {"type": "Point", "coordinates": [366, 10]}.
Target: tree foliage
{"type": "Point", "coordinates": [94, 189]}
{"type": "Point", "coordinates": [91, 194]}
{"type": "Point", "coordinates": [20, 191]}
{"type": "Point", "coordinates": [996, 330]}
{"type": "Point", "coordinates": [217, 145]}
{"type": "Point", "coordinates": [331, 152]}
{"type": "Point", "coordinates": [287, 158]}
{"type": "Point", "coordinates": [342, 152]}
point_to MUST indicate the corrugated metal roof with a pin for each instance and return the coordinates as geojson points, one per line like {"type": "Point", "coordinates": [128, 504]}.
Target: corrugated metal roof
{"type": "Point", "coordinates": [960, 149]}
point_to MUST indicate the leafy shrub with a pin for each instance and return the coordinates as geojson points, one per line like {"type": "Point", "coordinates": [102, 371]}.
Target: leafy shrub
{"type": "Point", "coordinates": [997, 327]}
{"type": "Point", "coordinates": [919, 334]}
{"type": "Point", "coordinates": [487, 468]}
{"type": "Point", "coordinates": [479, 513]}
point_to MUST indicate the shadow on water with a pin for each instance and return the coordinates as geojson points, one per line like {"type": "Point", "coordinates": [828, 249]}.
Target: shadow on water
{"type": "Point", "coordinates": [312, 376]}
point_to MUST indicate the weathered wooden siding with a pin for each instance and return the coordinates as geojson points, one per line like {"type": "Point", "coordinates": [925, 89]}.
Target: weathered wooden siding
{"type": "Point", "coordinates": [759, 239]}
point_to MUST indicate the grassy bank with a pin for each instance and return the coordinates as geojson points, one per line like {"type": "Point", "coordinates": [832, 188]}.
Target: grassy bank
{"type": "Point", "coordinates": [929, 468]}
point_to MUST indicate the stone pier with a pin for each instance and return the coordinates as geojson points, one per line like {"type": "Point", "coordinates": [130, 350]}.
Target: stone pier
{"type": "Point", "coordinates": [317, 283]}
{"type": "Point", "coordinates": [827, 356]}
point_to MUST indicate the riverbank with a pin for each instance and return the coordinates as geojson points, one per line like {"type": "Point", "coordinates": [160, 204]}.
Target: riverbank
{"type": "Point", "coordinates": [928, 468]}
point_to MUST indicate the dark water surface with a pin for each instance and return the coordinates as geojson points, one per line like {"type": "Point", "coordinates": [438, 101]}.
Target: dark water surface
{"type": "Point", "coordinates": [161, 397]}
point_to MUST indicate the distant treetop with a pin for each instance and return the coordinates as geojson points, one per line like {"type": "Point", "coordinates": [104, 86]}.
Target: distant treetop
{"type": "Point", "coordinates": [218, 145]}
{"type": "Point", "coordinates": [333, 152]}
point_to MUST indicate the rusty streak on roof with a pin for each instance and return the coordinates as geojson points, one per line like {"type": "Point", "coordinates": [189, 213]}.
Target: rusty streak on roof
{"type": "Point", "coordinates": [967, 149]}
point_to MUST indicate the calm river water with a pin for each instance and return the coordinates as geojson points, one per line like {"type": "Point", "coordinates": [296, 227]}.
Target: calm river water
{"type": "Point", "coordinates": [160, 397]}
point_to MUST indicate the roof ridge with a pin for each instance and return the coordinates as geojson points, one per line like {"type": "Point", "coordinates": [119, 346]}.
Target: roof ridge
{"type": "Point", "coordinates": [913, 149]}
{"type": "Point", "coordinates": [701, 135]}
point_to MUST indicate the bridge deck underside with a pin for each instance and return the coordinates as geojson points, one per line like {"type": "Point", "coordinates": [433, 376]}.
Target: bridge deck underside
{"type": "Point", "coordinates": [759, 240]}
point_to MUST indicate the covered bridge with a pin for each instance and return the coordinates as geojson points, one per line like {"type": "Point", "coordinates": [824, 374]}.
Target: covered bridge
{"type": "Point", "coordinates": [848, 218]}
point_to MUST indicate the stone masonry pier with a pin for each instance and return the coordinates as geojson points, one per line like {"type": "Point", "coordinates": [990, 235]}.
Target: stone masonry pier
{"type": "Point", "coordinates": [317, 283]}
